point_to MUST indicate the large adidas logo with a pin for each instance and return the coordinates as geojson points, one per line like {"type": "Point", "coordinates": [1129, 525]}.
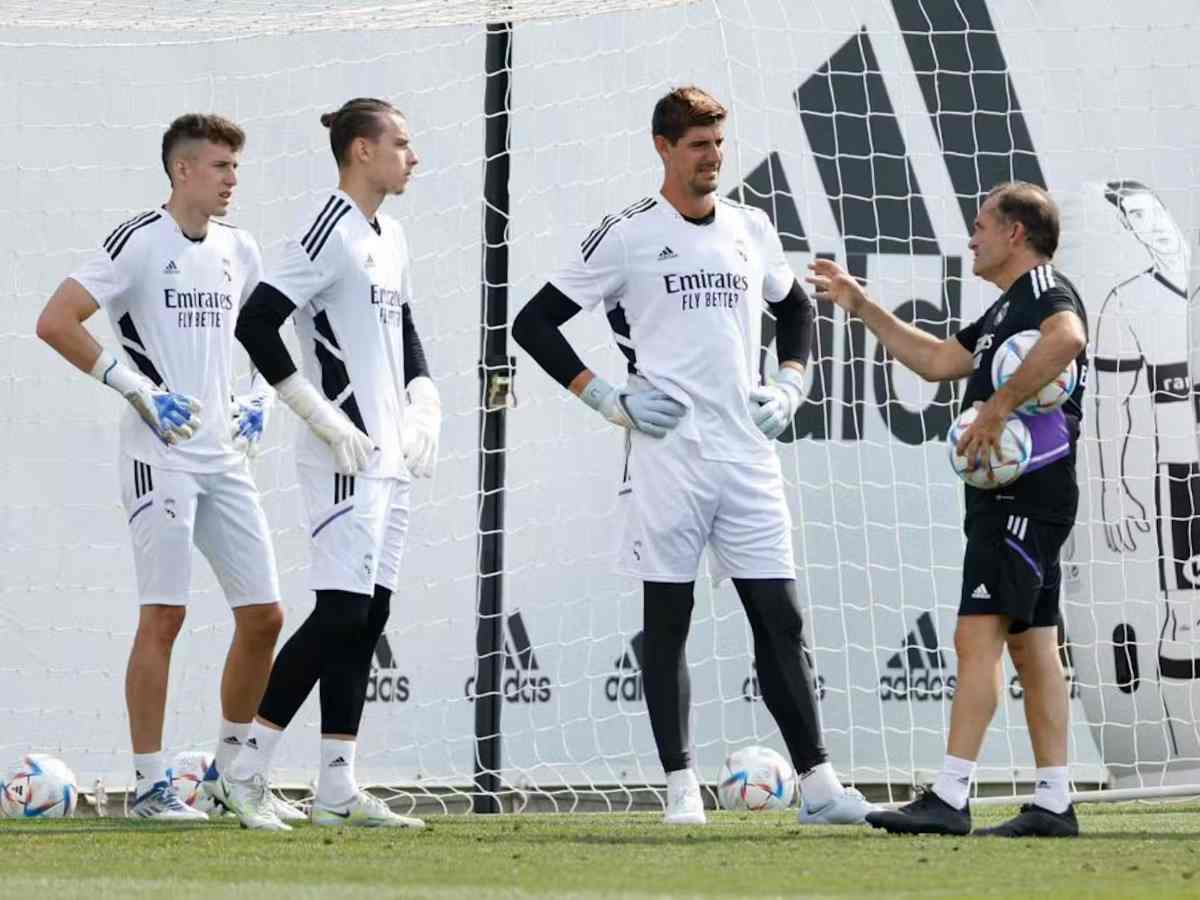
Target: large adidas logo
{"type": "Point", "coordinates": [626, 684]}
{"type": "Point", "coordinates": [916, 670]}
{"type": "Point", "coordinates": [521, 682]}
{"type": "Point", "coordinates": [385, 684]}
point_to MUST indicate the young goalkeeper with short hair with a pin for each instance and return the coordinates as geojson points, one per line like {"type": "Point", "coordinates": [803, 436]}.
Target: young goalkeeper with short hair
{"type": "Point", "coordinates": [171, 280]}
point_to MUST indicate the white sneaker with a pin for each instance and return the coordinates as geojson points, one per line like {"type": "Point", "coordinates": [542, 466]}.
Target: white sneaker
{"type": "Point", "coordinates": [285, 811]}
{"type": "Point", "coordinates": [685, 806]}
{"type": "Point", "coordinates": [163, 804]}
{"type": "Point", "coordinates": [363, 810]}
{"type": "Point", "coordinates": [850, 808]}
{"type": "Point", "coordinates": [250, 801]}
{"type": "Point", "coordinates": [214, 786]}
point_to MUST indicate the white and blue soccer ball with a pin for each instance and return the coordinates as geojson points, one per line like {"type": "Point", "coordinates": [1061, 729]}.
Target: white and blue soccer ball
{"type": "Point", "coordinates": [756, 778]}
{"type": "Point", "coordinates": [40, 786]}
{"type": "Point", "coordinates": [1006, 463]}
{"type": "Point", "coordinates": [187, 773]}
{"type": "Point", "coordinates": [1011, 354]}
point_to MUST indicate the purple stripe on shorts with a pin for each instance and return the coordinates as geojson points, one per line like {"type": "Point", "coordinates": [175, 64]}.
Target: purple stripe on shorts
{"type": "Point", "coordinates": [340, 512]}
{"type": "Point", "coordinates": [137, 512]}
{"type": "Point", "coordinates": [1025, 556]}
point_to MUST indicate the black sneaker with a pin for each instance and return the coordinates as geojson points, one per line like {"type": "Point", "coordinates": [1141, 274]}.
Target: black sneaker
{"type": "Point", "coordinates": [928, 814]}
{"type": "Point", "coordinates": [1036, 821]}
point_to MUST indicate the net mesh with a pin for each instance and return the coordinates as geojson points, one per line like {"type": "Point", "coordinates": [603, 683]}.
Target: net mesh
{"type": "Point", "coordinates": [867, 130]}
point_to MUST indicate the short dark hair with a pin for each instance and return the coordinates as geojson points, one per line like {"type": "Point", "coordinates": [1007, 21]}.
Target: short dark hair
{"type": "Point", "coordinates": [684, 108]}
{"type": "Point", "coordinates": [1033, 207]}
{"type": "Point", "coordinates": [200, 127]}
{"type": "Point", "coordinates": [360, 117]}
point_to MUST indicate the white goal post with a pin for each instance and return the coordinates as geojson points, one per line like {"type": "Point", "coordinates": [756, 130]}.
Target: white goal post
{"type": "Point", "coordinates": [868, 130]}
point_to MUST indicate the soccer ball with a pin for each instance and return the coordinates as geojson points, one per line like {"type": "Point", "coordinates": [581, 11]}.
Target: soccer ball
{"type": "Point", "coordinates": [1010, 355]}
{"type": "Point", "coordinates": [756, 778]}
{"type": "Point", "coordinates": [40, 786]}
{"type": "Point", "coordinates": [187, 771]}
{"type": "Point", "coordinates": [1007, 462]}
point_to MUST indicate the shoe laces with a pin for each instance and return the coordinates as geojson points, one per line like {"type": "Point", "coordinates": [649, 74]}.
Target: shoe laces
{"type": "Point", "coordinates": [169, 798]}
{"type": "Point", "coordinates": [373, 805]}
{"type": "Point", "coordinates": [260, 793]}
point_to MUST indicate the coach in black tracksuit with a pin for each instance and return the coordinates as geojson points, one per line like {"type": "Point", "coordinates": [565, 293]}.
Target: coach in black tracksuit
{"type": "Point", "coordinates": [1011, 575]}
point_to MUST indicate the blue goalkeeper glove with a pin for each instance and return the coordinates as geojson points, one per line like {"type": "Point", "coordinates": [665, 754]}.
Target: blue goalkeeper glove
{"type": "Point", "coordinates": [773, 406]}
{"type": "Point", "coordinates": [248, 415]}
{"type": "Point", "coordinates": [171, 416]}
{"type": "Point", "coordinates": [637, 406]}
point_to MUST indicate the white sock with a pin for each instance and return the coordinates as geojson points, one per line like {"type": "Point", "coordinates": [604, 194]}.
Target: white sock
{"type": "Point", "coordinates": [254, 758]}
{"type": "Point", "coordinates": [953, 783]}
{"type": "Point", "coordinates": [149, 769]}
{"type": "Point", "coordinates": [681, 779]}
{"type": "Point", "coordinates": [229, 742]}
{"type": "Point", "coordinates": [335, 784]}
{"type": "Point", "coordinates": [819, 785]}
{"type": "Point", "coordinates": [1052, 791]}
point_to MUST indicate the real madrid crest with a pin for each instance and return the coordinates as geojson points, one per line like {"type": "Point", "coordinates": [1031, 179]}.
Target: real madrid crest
{"type": "Point", "coordinates": [739, 247]}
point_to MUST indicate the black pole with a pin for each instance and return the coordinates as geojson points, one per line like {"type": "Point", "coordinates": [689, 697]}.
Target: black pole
{"type": "Point", "coordinates": [495, 380]}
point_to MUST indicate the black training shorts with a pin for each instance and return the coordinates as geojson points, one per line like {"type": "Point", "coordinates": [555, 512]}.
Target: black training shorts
{"type": "Point", "coordinates": [1011, 568]}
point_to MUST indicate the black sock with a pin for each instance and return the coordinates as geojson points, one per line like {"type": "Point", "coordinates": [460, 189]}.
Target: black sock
{"type": "Point", "coordinates": [667, 616]}
{"type": "Point", "coordinates": [784, 673]}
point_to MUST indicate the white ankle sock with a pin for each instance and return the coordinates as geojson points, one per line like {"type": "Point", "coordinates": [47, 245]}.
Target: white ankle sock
{"type": "Point", "coordinates": [149, 769]}
{"type": "Point", "coordinates": [254, 758]}
{"type": "Point", "coordinates": [953, 783]}
{"type": "Point", "coordinates": [335, 783]}
{"type": "Point", "coordinates": [819, 785]}
{"type": "Point", "coordinates": [1053, 789]}
{"type": "Point", "coordinates": [229, 742]}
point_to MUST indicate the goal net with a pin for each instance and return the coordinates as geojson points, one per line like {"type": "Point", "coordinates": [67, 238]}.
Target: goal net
{"type": "Point", "coordinates": [868, 131]}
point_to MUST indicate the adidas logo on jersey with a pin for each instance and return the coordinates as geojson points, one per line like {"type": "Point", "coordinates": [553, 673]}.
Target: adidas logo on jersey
{"type": "Point", "coordinates": [981, 593]}
{"type": "Point", "coordinates": [920, 664]}
{"type": "Point", "coordinates": [520, 681]}
{"type": "Point", "coordinates": [232, 741]}
{"type": "Point", "coordinates": [252, 743]}
{"type": "Point", "coordinates": [667, 253]}
{"type": "Point", "coordinates": [626, 684]}
{"type": "Point", "coordinates": [369, 263]}
{"type": "Point", "coordinates": [339, 763]}
{"type": "Point", "coordinates": [170, 268]}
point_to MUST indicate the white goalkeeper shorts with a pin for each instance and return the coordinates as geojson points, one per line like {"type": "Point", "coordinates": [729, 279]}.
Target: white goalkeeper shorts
{"type": "Point", "coordinates": [219, 513]}
{"type": "Point", "coordinates": [357, 527]}
{"type": "Point", "coordinates": [676, 504]}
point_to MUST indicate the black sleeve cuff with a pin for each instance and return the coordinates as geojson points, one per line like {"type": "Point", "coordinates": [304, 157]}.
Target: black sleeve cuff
{"type": "Point", "coordinates": [536, 329]}
{"type": "Point", "coordinates": [257, 330]}
{"type": "Point", "coordinates": [795, 319]}
{"type": "Point", "coordinates": [415, 364]}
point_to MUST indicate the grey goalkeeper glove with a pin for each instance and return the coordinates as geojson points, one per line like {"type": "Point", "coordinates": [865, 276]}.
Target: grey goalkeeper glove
{"type": "Point", "coordinates": [774, 406]}
{"type": "Point", "coordinates": [637, 406]}
{"type": "Point", "coordinates": [172, 417]}
{"type": "Point", "coordinates": [351, 448]}
{"type": "Point", "coordinates": [422, 423]}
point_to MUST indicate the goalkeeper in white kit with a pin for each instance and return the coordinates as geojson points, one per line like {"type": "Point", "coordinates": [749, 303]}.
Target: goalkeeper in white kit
{"type": "Point", "coordinates": [372, 415]}
{"type": "Point", "coordinates": [171, 280]}
{"type": "Point", "coordinates": [683, 276]}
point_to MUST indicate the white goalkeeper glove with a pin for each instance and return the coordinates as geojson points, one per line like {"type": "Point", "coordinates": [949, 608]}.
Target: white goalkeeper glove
{"type": "Point", "coordinates": [637, 406]}
{"type": "Point", "coordinates": [351, 448]}
{"type": "Point", "coordinates": [172, 417]}
{"type": "Point", "coordinates": [774, 406]}
{"type": "Point", "coordinates": [422, 423]}
{"type": "Point", "coordinates": [248, 418]}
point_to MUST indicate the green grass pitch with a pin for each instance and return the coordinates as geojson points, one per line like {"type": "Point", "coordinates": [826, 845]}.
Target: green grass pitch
{"type": "Point", "coordinates": [1128, 851]}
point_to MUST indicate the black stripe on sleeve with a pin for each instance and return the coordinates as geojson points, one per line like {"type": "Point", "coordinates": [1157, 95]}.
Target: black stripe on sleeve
{"type": "Point", "coordinates": [320, 216]}
{"type": "Point", "coordinates": [317, 243]}
{"type": "Point", "coordinates": [593, 240]}
{"type": "Point", "coordinates": [120, 242]}
{"type": "Point", "coordinates": [119, 232]}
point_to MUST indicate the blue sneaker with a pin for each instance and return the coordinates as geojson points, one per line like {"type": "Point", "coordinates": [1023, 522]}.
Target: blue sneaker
{"type": "Point", "coordinates": [162, 803]}
{"type": "Point", "coordinates": [850, 808]}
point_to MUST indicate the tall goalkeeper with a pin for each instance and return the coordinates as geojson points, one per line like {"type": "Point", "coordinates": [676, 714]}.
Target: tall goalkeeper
{"type": "Point", "coordinates": [682, 277]}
